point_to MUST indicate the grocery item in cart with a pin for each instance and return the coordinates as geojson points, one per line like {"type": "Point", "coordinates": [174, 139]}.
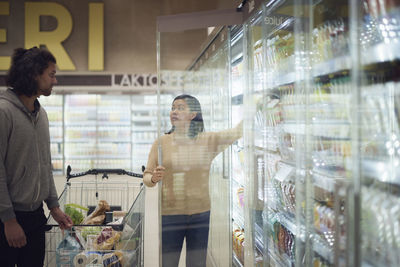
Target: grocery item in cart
{"type": "Point", "coordinates": [113, 259]}
{"type": "Point", "coordinates": [75, 211]}
{"type": "Point", "coordinates": [88, 259]}
{"type": "Point", "coordinates": [68, 248]}
{"type": "Point", "coordinates": [90, 230]}
{"type": "Point", "coordinates": [107, 239]}
{"type": "Point", "coordinates": [99, 214]}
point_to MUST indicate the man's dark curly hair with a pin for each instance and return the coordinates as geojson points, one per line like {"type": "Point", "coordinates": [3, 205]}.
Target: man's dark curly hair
{"type": "Point", "coordinates": [26, 64]}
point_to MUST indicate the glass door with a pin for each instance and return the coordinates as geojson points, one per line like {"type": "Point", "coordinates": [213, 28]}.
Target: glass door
{"type": "Point", "coordinates": [277, 140]}
{"type": "Point", "coordinates": [255, 131]}
{"type": "Point", "coordinates": [302, 138]}
{"type": "Point", "coordinates": [379, 145]}
{"type": "Point", "coordinates": [329, 177]}
{"type": "Point", "coordinates": [237, 177]}
{"type": "Point", "coordinates": [194, 67]}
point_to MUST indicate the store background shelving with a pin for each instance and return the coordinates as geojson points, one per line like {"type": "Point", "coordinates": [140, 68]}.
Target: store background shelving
{"type": "Point", "coordinates": [101, 131]}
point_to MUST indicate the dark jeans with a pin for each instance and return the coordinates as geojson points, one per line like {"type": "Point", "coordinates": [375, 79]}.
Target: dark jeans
{"type": "Point", "coordinates": [175, 228]}
{"type": "Point", "coordinates": [32, 254]}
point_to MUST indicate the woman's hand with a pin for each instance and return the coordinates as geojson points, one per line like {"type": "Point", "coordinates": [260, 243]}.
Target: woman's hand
{"type": "Point", "coordinates": [158, 174]}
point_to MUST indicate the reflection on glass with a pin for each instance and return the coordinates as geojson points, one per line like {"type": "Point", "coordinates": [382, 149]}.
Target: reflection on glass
{"type": "Point", "coordinates": [187, 153]}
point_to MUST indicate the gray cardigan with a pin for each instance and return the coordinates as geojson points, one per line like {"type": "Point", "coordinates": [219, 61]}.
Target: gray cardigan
{"type": "Point", "coordinates": [26, 178]}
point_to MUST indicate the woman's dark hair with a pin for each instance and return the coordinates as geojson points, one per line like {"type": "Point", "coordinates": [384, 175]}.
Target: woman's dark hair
{"type": "Point", "coordinates": [26, 64]}
{"type": "Point", "coordinates": [197, 124]}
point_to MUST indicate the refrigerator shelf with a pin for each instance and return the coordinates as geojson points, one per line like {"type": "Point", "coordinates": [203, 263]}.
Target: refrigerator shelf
{"type": "Point", "coordinates": [326, 182]}
{"type": "Point", "coordinates": [280, 79]}
{"type": "Point", "coordinates": [271, 148]}
{"type": "Point", "coordinates": [279, 260]}
{"type": "Point", "coordinates": [259, 238]}
{"type": "Point", "coordinates": [235, 261]}
{"type": "Point", "coordinates": [320, 245]}
{"type": "Point", "coordinates": [332, 66]}
{"type": "Point", "coordinates": [383, 52]}
{"type": "Point", "coordinates": [337, 131]}
{"type": "Point", "coordinates": [383, 171]}
{"type": "Point", "coordinates": [99, 123]}
{"type": "Point", "coordinates": [92, 157]}
{"type": "Point", "coordinates": [238, 219]}
{"type": "Point", "coordinates": [55, 123]}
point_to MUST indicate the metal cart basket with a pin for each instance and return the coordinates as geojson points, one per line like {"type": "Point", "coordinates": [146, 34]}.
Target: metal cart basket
{"type": "Point", "coordinates": [117, 241]}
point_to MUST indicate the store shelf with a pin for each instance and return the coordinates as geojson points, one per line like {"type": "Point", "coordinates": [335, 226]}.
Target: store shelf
{"type": "Point", "coordinates": [281, 79]}
{"type": "Point", "coordinates": [383, 171]}
{"type": "Point", "coordinates": [55, 123]}
{"type": "Point", "coordinates": [326, 182]}
{"type": "Point", "coordinates": [145, 118]}
{"type": "Point", "coordinates": [384, 52]}
{"type": "Point", "coordinates": [235, 260]}
{"type": "Point", "coordinates": [279, 260]}
{"type": "Point", "coordinates": [332, 66]}
{"type": "Point", "coordinates": [80, 140]}
{"type": "Point", "coordinates": [237, 217]}
{"type": "Point", "coordinates": [259, 239]}
{"type": "Point", "coordinates": [97, 123]}
{"type": "Point", "coordinates": [271, 147]}
{"type": "Point", "coordinates": [144, 128]}
{"type": "Point", "coordinates": [91, 157]}
{"type": "Point", "coordinates": [320, 246]}
{"type": "Point", "coordinates": [338, 130]}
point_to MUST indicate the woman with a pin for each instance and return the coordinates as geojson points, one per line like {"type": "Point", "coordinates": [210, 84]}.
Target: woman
{"type": "Point", "coordinates": [187, 154]}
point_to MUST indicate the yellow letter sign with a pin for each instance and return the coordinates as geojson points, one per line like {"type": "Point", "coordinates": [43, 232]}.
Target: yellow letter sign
{"type": "Point", "coordinates": [52, 39]}
{"type": "Point", "coordinates": [5, 61]}
{"type": "Point", "coordinates": [96, 36]}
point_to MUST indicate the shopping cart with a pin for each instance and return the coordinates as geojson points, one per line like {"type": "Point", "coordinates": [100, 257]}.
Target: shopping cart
{"type": "Point", "coordinates": [115, 241]}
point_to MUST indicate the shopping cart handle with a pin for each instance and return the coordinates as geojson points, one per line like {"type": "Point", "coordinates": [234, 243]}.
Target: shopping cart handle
{"type": "Point", "coordinates": [105, 173]}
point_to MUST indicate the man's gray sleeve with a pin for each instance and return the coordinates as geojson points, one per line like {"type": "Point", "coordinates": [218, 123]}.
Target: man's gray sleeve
{"type": "Point", "coordinates": [52, 199]}
{"type": "Point", "coordinates": [6, 207]}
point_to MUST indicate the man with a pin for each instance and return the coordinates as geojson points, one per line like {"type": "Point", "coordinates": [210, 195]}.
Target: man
{"type": "Point", "coordinates": [26, 178]}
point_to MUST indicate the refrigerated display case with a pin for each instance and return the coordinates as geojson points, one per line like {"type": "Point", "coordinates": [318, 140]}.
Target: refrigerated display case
{"type": "Point", "coordinates": [144, 125]}
{"type": "Point", "coordinates": [54, 106]}
{"type": "Point", "coordinates": [314, 181]}
{"type": "Point", "coordinates": [99, 131]}
{"type": "Point", "coordinates": [215, 76]}
{"type": "Point", "coordinates": [299, 83]}
{"type": "Point", "coordinates": [237, 177]}
{"type": "Point", "coordinates": [212, 87]}
{"type": "Point", "coordinates": [256, 184]}
{"type": "Point", "coordinates": [378, 132]}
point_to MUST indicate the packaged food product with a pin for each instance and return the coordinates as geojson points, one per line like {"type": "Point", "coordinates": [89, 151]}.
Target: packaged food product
{"type": "Point", "coordinates": [107, 239]}
{"type": "Point", "coordinates": [113, 259]}
{"type": "Point", "coordinates": [98, 215]}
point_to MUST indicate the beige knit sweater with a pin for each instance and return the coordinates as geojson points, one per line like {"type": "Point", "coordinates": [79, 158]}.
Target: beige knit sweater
{"type": "Point", "coordinates": [185, 187]}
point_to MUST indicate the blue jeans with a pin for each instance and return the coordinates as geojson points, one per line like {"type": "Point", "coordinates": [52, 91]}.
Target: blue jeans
{"type": "Point", "coordinates": [175, 228]}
